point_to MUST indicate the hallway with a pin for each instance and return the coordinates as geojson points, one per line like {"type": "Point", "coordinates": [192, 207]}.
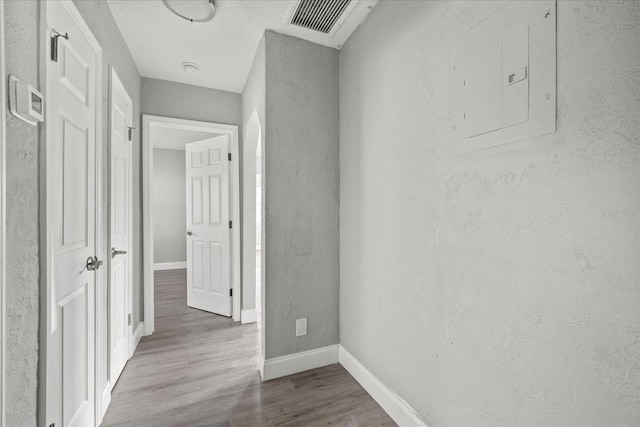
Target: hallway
{"type": "Point", "coordinates": [201, 369]}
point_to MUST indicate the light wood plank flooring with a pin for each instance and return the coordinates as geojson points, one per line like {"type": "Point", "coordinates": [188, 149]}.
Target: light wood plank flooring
{"type": "Point", "coordinates": [199, 369]}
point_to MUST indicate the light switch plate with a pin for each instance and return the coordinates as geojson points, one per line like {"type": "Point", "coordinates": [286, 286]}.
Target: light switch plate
{"type": "Point", "coordinates": [503, 77]}
{"type": "Point", "coordinates": [301, 327]}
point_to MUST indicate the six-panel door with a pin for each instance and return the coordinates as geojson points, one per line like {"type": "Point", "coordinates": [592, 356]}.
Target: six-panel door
{"type": "Point", "coordinates": [71, 211]}
{"type": "Point", "coordinates": [208, 227]}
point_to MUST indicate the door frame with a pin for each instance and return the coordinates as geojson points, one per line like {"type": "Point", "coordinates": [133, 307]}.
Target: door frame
{"type": "Point", "coordinates": [148, 123]}
{"type": "Point", "coordinates": [47, 192]}
{"type": "Point", "coordinates": [3, 192]}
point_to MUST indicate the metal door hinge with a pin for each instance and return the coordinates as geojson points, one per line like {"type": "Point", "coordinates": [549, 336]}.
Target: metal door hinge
{"type": "Point", "coordinates": [229, 156]}
{"type": "Point", "coordinates": [230, 224]}
{"type": "Point", "coordinates": [231, 292]}
{"type": "Point", "coordinates": [129, 319]}
{"type": "Point", "coordinates": [54, 43]}
{"type": "Point", "coordinates": [131, 129]}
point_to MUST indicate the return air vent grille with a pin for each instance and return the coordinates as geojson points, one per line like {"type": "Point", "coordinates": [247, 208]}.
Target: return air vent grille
{"type": "Point", "coordinates": [319, 15]}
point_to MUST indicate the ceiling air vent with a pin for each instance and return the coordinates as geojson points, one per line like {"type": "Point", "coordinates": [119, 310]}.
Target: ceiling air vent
{"type": "Point", "coordinates": [318, 15]}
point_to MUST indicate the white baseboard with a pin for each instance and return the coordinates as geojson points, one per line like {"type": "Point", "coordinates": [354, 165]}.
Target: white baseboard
{"type": "Point", "coordinates": [397, 408]}
{"type": "Point", "coordinates": [137, 335]}
{"type": "Point", "coordinates": [299, 362]}
{"type": "Point", "coordinates": [169, 265]}
{"type": "Point", "coordinates": [106, 400]}
{"type": "Point", "coordinates": [106, 393]}
{"type": "Point", "coordinates": [261, 368]}
{"type": "Point", "coordinates": [248, 316]}
{"type": "Point", "coordinates": [147, 329]}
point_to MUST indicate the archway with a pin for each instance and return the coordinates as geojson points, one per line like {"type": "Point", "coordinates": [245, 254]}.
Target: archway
{"type": "Point", "coordinates": [252, 231]}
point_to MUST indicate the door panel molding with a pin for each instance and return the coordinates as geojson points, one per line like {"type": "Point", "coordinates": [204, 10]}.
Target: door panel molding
{"type": "Point", "coordinates": [149, 123]}
{"type": "Point", "coordinates": [208, 246]}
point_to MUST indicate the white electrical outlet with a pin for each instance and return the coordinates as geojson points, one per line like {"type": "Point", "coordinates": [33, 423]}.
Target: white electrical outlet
{"type": "Point", "coordinates": [301, 327]}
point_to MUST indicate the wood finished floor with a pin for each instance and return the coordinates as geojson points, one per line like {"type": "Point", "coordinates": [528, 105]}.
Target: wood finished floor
{"type": "Point", "coordinates": [200, 369]}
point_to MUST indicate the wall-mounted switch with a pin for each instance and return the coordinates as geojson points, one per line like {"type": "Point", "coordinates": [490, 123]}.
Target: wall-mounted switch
{"type": "Point", "coordinates": [25, 102]}
{"type": "Point", "coordinates": [301, 327]}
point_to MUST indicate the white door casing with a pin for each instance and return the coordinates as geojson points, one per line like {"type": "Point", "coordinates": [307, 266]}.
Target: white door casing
{"type": "Point", "coordinates": [72, 195]}
{"type": "Point", "coordinates": [3, 135]}
{"type": "Point", "coordinates": [208, 227]}
{"type": "Point", "coordinates": [251, 220]}
{"type": "Point", "coordinates": [120, 233]}
{"type": "Point", "coordinates": [150, 126]}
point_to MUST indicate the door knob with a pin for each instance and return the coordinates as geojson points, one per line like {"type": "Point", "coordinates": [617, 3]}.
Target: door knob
{"type": "Point", "coordinates": [93, 264]}
{"type": "Point", "coordinates": [189, 233]}
{"type": "Point", "coordinates": [114, 252]}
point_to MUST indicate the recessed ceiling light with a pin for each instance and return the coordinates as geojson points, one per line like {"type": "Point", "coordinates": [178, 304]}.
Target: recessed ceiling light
{"type": "Point", "coordinates": [190, 67]}
{"type": "Point", "coordinates": [192, 10]}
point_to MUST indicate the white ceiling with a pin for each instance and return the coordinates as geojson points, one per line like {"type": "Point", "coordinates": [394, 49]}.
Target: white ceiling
{"type": "Point", "coordinates": [224, 47]}
{"type": "Point", "coordinates": [171, 138]}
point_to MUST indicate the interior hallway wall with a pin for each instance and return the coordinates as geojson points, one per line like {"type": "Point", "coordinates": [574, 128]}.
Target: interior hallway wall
{"type": "Point", "coordinates": [22, 19]}
{"type": "Point", "coordinates": [169, 206]}
{"type": "Point", "coordinates": [499, 287]}
{"type": "Point", "coordinates": [182, 101]}
{"type": "Point", "coordinates": [301, 179]}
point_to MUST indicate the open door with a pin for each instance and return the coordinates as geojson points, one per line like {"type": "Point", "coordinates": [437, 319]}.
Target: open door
{"type": "Point", "coordinates": [208, 225]}
{"type": "Point", "coordinates": [120, 236]}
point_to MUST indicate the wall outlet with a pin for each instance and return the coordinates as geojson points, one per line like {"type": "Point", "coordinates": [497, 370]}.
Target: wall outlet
{"type": "Point", "coordinates": [301, 327]}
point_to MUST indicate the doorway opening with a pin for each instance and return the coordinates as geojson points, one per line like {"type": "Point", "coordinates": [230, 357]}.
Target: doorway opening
{"type": "Point", "coordinates": [258, 299]}
{"type": "Point", "coordinates": [169, 135]}
{"type": "Point", "coordinates": [253, 272]}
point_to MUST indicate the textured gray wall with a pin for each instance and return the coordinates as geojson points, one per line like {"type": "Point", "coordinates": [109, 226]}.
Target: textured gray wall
{"type": "Point", "coordinates": [22, 20]}
{"type": "Point", "coordinates": [301, 178]}
{"type": "Point", "coordinates": [169, 206]}
{"type": "Point", "coordinates": [170, 99]}
{"type": "Point", "coordinates": [22, 24]}
{"type": "Point", "coordinates": [500, 287]}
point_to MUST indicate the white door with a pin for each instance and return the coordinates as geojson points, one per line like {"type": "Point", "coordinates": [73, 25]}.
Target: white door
{"type": "Point", "coordinates": [208, 226]}
{"type": "Point", "coordinates": [71, 218]}
{"type": "Point", "coordinates": [120, 236]}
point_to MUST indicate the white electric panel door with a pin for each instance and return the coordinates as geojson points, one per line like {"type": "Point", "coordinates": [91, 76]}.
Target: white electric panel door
{"type": "Point", "coordinates": [482, 90]}
{"type": "Point", "coordinates": [515, 76]}
{"type": "Point", "coordinates": [503, 77]}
